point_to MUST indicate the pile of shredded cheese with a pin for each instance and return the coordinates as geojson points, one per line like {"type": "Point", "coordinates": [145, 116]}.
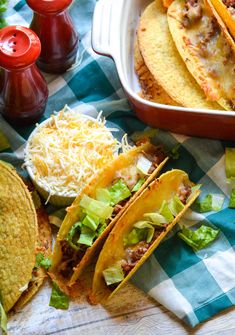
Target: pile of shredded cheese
{"type": "Point", "coordinates": [67, 152]}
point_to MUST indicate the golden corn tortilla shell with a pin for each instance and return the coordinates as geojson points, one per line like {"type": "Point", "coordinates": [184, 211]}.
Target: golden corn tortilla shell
{"type": "Point", "coordinates": [225, 15]}
{"type": "Point", "coordinates": [18, 236]}
{"type": "Point", "coordinates": [163, 188]}
{"type": "Point", "coordinates": [225, 27]}
{"type": "Point", "coordinates": [44, 245]}
{"type": "Point", "coordinates": [164, 62]}
{"type": "Point", "coordinates": [210, 69]}
{"type": "Point", "coordinates": [150, 88]}
{"type": "Point", "coordinates": [103, 180]}
{"type": "Point", "coordinates": [166, 3]}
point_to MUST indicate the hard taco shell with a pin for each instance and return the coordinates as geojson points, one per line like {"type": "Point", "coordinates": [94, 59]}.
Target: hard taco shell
{"type": "Point", "coordinates": [18, 236]}
{"type": "Point", "coordinates": [164, 62]}
{"type": "Point", "coordinates": [206, 61]}
{"type": "Point", "coordinates": [103, 180]}
{"type": "Point", "coordinates": [163, 188]}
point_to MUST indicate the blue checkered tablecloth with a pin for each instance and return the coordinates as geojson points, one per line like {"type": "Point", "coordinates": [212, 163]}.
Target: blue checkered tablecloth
{"type": "Point", "coordinates": [193, 285]}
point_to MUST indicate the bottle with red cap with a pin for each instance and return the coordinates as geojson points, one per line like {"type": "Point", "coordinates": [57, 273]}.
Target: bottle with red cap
{"type": "Point", "coordinates": [53, 25]}
{"type": "Point", "coordinates": [23, 90]}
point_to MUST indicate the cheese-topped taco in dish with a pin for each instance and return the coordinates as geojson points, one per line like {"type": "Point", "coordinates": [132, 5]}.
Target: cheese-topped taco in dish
{"type": "Point", "coordinates": [98, 207]}
{"type": "Point", "coordinates": [226, 10]}
{"type": "Point", "coordinates": [206, 48]}
{"type": "Point", "coordinates": [164, 62]}
{"type": "Point", "coordinates": [140, 230]}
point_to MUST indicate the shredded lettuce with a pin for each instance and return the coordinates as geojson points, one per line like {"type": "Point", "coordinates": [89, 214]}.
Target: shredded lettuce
{"type": "Point", "coordinates": [98, 208]}
{"type": "Point", "coordinates": [230, 163]}
{"type": "Point", "coordinates": [3, 5]}
{"type": "Point", "coordinates": [142, 231]}
{"type": "Point", "coordinates": [3, 8]}
{"type": "Point", "coordinates": [58, 299]}
{"type": "Point", "coordinates": [166, 212]}
{"type": "Point", "coordinates": [87, 236]}
{"type": "Point", "coordinates": [156, 219]}
{"type": "Point", "coordinates": [3, 319]}
{"type": "Point", "coordinates": [134, 236]}
{"type": "Point", "coordinates": [145, 225]}
{"type": "Point", "coordinates": [143, 165]}
{"type": "Point", "coordinates": [217, 201]}
{"type": "Point", "coordinates": [102, 194]}
{"type": "Point", "coordinates": [175, 205]}
{"type": "Point", "coordinates": [138, 185]}
{"type": "Point", "coordinates": [91, 222]}
{"type": "Point", "coordinates": [101, 228]}
{"type": "Point", "coordinates": [76, 228]}
{"type": "Point", "coordinates": [114, 274]}
{"type": "Point", "coordinates": [232, 199]}
{"type": "Point", "coordinates": [200, 238]}
{"type": "Point", "coordinates": [42, 261]}
{"type": "Point", "coordinates": [118, 192]}
{"type": "Point", "coordinates": [211, 202]}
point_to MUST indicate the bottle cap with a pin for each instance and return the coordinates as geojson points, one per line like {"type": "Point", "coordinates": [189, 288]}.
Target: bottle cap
{"type": "Point", "coordinates": [48, 6]}
{"type": "Point", "coordinates": [19, 47]}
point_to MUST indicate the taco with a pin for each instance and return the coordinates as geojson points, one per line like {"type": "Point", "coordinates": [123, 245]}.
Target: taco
{"type": "Point", "coordinates": [226, 10]}
{"type": "Point", "coordinates": [140, 230]}
{"type": "Point", "coordinates": [205, 45]}
{"type": "Point", "coordinates": [150, 89]}
{"type": "Point", "coordinates": [164, 62]}
{"type": "Point", "coordinates": [22, 231]}
{"type": "Point", "coordinates": [18, 236]}
{"type": "Point", "coordinates": [43, 251]}
{"type": "Point", "coordinates": [98, 207]}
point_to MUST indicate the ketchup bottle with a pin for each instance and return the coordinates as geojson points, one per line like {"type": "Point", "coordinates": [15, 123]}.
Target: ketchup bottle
{"type": "Point", "coordinates": [53, 25]}
{"type": "Point", "coordinates": [23, 90]}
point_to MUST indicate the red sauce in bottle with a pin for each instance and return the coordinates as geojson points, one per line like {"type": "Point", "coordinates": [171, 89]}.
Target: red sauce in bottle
{"type": "Point", "coordinates": [53, 25]}
{"type": "Point", "coordinates": [23, 90]}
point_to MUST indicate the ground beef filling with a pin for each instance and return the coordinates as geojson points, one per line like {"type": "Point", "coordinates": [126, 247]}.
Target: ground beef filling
{"type": "Point", "coordinates": [134, 253]}
{"type": "Point", "coordinates": [184, 192]}
{"type": "Point", "coordinates": [229, 3]}
{"type": "Point", "coordinates": [192, 13]}
{"type": "Point", "coordinates": [70, 258]}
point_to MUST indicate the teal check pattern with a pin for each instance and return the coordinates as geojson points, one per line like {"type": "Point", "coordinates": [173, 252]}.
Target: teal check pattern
{"type": "Point", "coordinates": [193, 285]}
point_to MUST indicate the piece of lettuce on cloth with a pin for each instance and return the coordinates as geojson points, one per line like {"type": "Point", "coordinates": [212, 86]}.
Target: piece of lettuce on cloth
{"type": "Point", "coordinates": [171, 275]}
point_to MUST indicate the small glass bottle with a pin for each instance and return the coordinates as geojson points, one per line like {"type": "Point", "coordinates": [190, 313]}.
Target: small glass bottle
{"type": "Point", "coordinates": [23, 90]}
{"type": "Point", "coordinates": [53, 25]}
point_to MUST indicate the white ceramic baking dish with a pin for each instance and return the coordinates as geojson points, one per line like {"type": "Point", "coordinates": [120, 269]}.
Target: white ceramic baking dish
{"type": "Point", "coordinates": [113, 34]}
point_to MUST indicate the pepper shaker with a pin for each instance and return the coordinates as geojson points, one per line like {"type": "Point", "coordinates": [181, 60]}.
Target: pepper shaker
{"type": "Point", "coordinates": [53, 25]}
{"type": "Point", "coordinates": [23, 90]}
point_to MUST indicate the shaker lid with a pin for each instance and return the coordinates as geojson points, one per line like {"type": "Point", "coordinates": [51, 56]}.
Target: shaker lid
{"type": "Point", "coordinates": [48, 6]}
{"type": "Point", "coordinates": [19, 47]}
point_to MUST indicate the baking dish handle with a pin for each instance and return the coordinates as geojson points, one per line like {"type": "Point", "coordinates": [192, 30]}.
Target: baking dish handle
{"type": "Point", "coordinates": [105, 26]}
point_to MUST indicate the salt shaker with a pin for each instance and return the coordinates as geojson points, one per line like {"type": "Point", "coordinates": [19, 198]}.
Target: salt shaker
{"type": "Point", "coordinates": [23, 90]}
{"type": "Point", "coordinates": [53, 25]}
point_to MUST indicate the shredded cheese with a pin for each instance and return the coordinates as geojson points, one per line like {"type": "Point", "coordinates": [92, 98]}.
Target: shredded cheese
{"type": "Point", "coordinates": [65, 153]}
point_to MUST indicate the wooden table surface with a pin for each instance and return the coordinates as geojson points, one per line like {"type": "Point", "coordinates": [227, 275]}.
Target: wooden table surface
{"type": "Point", "coordinates": [130, 312]}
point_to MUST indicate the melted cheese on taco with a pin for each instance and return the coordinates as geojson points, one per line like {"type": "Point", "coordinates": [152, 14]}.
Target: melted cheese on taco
{"type": "Point", "coordinates": [205, 49]}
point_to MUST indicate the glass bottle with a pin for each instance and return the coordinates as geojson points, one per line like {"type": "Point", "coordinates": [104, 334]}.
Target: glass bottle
{"type": "Point", "coordinates": [53, 25]}
{"type": "Point", "coordinates": [23, 90]}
